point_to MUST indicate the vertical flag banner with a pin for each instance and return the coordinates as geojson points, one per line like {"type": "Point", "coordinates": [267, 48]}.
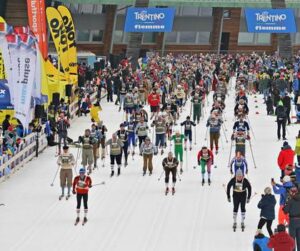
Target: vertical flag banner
{"type": "Point", "coordinates": [37, 22]}
{"type": "Point", "coordinates": [72, 50]}
{"type": "Point", "coordinates": [27, 61]}
{"type": "Point", "coordinates": [59, 36]}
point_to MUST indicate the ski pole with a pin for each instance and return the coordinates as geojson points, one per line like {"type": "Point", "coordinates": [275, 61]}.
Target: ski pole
{"type": "Point", "coordinates": [225, 134]}
{"type": "Point", "coordinates": [251, 127]}
{"type": "Point", "coordinates": [195, 136]}
{"type": "Point", "coordinates": [54, 176]}
{"type": "Point", "coordinates": [206, 134]}
{"type": "Point", "coordinates": [230, 153]}
{"type": "Point", "coordinates": [161, 175]}
{"type": "Point", "coordinates": [99, 184]}
{"type": "Point", "coordinates": [186, 160]}
{"type": "Point", "coordinates": [253, 196]}
{"type": "Point", "coordinates": [179, 178]}
{"type": "Point", "coordinates": [252, 154]}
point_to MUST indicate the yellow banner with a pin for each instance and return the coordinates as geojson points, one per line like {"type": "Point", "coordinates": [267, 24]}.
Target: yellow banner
{"type": "Point", "coordinates": [72, 50]}
{"type": "Point", "coordinates": [59, 36]}
{"type": "Point", "coordinates": [2, 68]}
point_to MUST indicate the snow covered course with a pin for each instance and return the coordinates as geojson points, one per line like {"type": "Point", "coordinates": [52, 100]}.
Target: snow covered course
{"type": "Point", "coordinates": [131, 212]}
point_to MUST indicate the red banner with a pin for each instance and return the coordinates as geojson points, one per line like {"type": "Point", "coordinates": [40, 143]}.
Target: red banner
{"type": "Point", "coordinates": [37, 22]}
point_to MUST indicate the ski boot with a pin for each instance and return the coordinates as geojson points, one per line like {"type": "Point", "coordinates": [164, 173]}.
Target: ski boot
{"type": "Point", "coordinates": [167, 191]}
{"type": "Point", "coordinates": [234, 226]}
{"type": "Point", "coordinates": [119, 171]}
{"type": "Point", "coordinates": [126, 164]}
{"type": "Point", "coordinates": [60, 197]}
{"type": "Point", "coordinates": [162, 151]}
{"type": "Point", "coordinates": [119, 109]}
{"type": "Point", "coordinates": [144, 173]}
{"type": "Point", "coordinates": [203, 182]}
{"type": "Point", "coordinates": [68, 196]}
{"type": "Point", "coordinates": [209, 182]}
{"type": "Point", "coordinates": [185, 148]}
{"type": "Point", "coordinates": [173, 190]}
{"type": "Point", "coordinates": [77, 221]}
{"type": "Point", "coordinates": [181, 171]}
{"type": "Point", "coordinates": [243, 226]}
{"type": "Point", "coordinates": [95, 166]}
{"type": "Point", "coordinates": [112, 173]}
{"type": "Point", "coordinates": [150, 173]}
{"type": "Point", "coordinates": [217, 152]}
{"type": "Point", "coordinates": [190, 148]}
{"type": "Point", "coordinates": [84, 221]}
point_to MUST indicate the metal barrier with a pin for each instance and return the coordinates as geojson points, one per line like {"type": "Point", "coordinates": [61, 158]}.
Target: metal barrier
{"type": "Point", "coordinates": [27, 149]}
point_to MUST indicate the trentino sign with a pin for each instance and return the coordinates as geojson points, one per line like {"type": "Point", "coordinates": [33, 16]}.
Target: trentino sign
{"type": "Point", "coordinates": [149, 19]}
{"type": "Point", "coordinates": [270, 20]}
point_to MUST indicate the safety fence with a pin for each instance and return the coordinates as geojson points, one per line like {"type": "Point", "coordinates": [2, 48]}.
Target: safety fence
{"type": "Point", "coordinates": [31, 145]}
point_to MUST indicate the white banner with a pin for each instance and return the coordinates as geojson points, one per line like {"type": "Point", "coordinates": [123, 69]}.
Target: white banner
{"type": "Point", "coordinates": [36, 91]}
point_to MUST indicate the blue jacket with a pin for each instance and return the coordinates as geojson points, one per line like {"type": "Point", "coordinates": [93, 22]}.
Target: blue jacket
{"type": "Point", "coordinates": [260, 243]}
{"type": "Point", "coordinates": [267, 206]}
{"type": "Point", "coordinates": [282, 190]}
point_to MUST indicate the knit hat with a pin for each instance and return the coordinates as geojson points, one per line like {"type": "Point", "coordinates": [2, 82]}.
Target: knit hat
{"type": "Point", "coordinates": [239, 173]}
{"type": "Point", "coordinates": [82, 170]}
{"type": "Point", "coordinates": [286, 178]}
{"type": "Point", "coordinates": [285, 143]}
{"type": "Point", "coordinates": [281, 228]}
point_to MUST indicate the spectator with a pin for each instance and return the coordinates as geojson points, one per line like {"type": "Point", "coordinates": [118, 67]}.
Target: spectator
{"type": "Point", "coordinates": [285, 157]}
{"type": "Point", "coordinates": [6, 123]}
{"type": "Point", "coordinates": [287, 105]}
{"type": "Point", "coordinates": [282, 190]}
{"type": "Point", "coordinates": [267, 206]}
{"type": "Point", "coordinates": [280, 113]}
{"type": "Point", "coordinates": [292, 208]}
{"type": "Point", "coordinates": [260, 242]}
{"type": "Point", "coordinates": [62, 125]}
{"type": "Point", "coordinates": [281, 241]}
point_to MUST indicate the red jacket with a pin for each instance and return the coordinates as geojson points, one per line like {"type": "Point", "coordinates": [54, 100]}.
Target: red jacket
{"type": "Point", "coordinates": [154, 99]}
{"type": "Point", "coordinates": [281, 241]}
{"type": "Point", "coordinates": [285, 157]}
{"type": "Point", "coordinates": [82, 186]}
{"type": "Point", "coordinates": [209, 155]}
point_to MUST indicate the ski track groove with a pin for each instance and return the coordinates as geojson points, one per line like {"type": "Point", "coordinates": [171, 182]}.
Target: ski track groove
{"type": "Point", "coordinates": [123, 209]}
{"type": "Point", "coordinates": [129, 213]}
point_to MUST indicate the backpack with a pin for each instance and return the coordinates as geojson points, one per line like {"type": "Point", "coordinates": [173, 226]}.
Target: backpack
{"type": "Point", "coordinates": [281, 113]}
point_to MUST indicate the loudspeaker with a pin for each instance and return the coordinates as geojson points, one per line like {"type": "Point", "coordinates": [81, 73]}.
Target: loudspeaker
{"type": "Point", "coordinates": [39, 111]}
{"type": "Point", "coordinates": [55, 98]}
{"type": "Point", "coordinates": [69, 90]}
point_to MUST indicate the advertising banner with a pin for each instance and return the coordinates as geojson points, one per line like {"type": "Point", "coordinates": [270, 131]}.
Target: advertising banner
{"type": "Point", "coordinates": [149, 19]}
{"type": "Point", "coordinates": [270, 20]}
{"type": "Point", "coordinates": [59, 36]}
{"type": "Point", "coordinates": [72, 51]}
{"type": "Point", "coordinates": [37, 22]}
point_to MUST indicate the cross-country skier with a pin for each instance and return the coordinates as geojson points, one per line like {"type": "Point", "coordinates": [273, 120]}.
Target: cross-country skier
{"type": "Point", "coordinates": [96, 135]}
{"type": "Point", "coordinates": [205, 161]}
{"type": "Point", "coordinates": [131, 134]}
{"type": "Point", "coordinates": [160, 132]}
{"type": "Point", "coordinates": [66, 161]}
{"type": "Point", "coordinates": [178, 148]}
{"type": "Point", "coordinates": [241, 125]}
{"type": "Point", "coordinates": [81, 185]}
{"type": "Point", "coordinates": [87, 149]}
{"type": "Point", "coordinates": [147, 150]}
{"type": "Point", "coordinates": [197, 103]}
{"type": "Point", "coordinates": [115, 145]}
{"type": "Point", "coordinates": [170, 165]}
{"type": "Point", "coordinates": [238, 163]}
{"type": "Point", "coordinates": [123, 136]}
{"type": "Point", "coordinates": [141, 130]}
{"type": "Point", "coordinates": [103, 130]}
{"type": "Point", "coordinates": [214, 123]}
{"type": "Point", "coordinates": [241, 194]}
{"type": "Point", "coordinates": [240, 141]}
{"type": "Point", "coordinates": [188, 131]}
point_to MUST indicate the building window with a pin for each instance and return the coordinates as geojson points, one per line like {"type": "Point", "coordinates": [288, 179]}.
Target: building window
{"type": "Point", "coordinates": [204, 37]}
{"type": "Point", "coordinates": [87, 8]}
{"type": "Point", "coordinates": [247, 38]}
{"type": "Point", "coordinates": [97, 36]}
{"type": "Point", "coordinates": [189, 11]}
{"type": "Point", "coordinates": [83, 36]}
{"type": "Point", "coordinates": [205, 12]}
{"type": "Point", "coordinates": [171, 37]}
{"type": "Point", "coordinates": [118, 37]}
{"type": "Point", "coordinates": [188, 37]}
{"type": "Point", "coordinates": [149, 38]}
{"type": "Point", "coordinates": [296, 38]}
{"type": "Point", "coordinates": [98, 9]}
{"type": "Point", "coordinates": [263, 38]}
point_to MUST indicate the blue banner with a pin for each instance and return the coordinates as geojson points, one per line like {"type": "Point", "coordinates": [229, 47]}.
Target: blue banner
{"type": "Point", "coordinates": [5, 100]}
{"type": "Point", "coordinates": [149, 19]}
{"type": "Point", "coordinates": [270, 20]}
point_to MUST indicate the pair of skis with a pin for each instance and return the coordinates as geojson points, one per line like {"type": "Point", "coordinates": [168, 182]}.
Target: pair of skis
{"type": "Point", "coordinates": [167, 191]}
{"type": "Point", "coordinates": [235, 227]}
{"type": "Point", "coordinates": [62, 196]}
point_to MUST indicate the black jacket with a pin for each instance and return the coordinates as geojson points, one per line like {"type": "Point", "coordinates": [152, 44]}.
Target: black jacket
{"type": "Point", "coordinates": [245, 186]}
{"type": "Point", "coordinates": [267, 206]}
{"type": "Point", "coordinates": [293, 206]}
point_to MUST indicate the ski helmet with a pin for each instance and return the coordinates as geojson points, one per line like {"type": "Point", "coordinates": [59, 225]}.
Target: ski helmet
{"type": "Point", "coordinates": [82, 170]}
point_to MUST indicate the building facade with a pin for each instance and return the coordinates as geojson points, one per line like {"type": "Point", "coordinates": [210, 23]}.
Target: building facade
{"type": "Point", "coordinates": [100, 29]}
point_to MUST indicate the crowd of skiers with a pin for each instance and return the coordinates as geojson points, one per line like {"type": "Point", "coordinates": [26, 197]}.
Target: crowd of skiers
{"type": "Point", "coordinates": [166, 85]}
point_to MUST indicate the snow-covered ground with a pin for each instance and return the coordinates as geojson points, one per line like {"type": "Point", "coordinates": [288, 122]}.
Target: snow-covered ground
{"type": "Point", "coordinates": [131, 212]}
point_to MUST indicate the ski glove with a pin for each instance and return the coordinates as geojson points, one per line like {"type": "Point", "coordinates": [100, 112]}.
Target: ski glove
{"type": "Point", "coordinates": [73, 192]}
